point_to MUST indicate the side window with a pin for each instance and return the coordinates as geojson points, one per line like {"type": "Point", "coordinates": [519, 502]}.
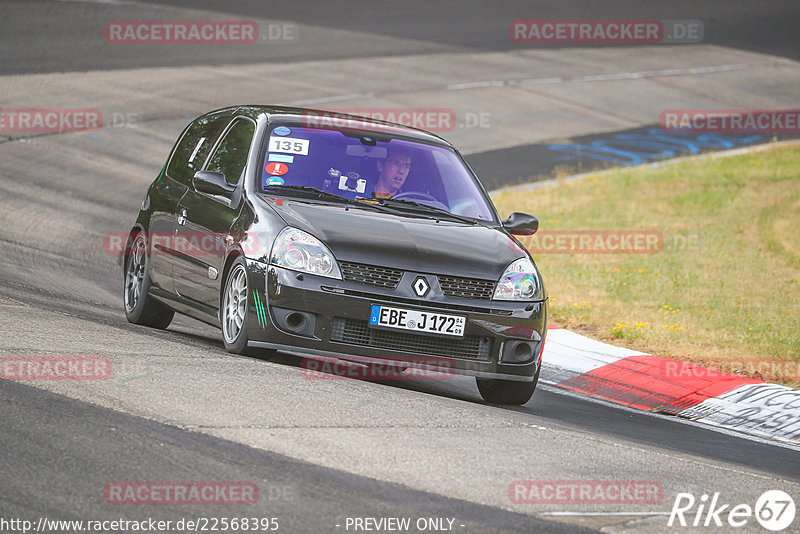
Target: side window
{"type": "Point", "coordinates": [231, 155]}
{"type": "Point", "coordinates": [194, 147]}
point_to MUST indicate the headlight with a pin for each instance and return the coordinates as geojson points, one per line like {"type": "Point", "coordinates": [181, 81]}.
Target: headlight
{"type": "Point", "coordinates": [300, 251]}
{"type": "Point", "coordinates": [519, 282]}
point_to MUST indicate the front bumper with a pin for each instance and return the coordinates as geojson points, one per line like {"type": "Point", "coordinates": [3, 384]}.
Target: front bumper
{"type": "Point", "coordinates": [327, 317]}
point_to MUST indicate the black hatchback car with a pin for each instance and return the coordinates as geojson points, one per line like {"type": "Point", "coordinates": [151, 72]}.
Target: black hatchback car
{"type": "Point", "coordinates": [339, 237]}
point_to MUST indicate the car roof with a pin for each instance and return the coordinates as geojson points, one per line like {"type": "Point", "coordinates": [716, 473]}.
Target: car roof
{"type": "Point", "coordinates": [296, 115]}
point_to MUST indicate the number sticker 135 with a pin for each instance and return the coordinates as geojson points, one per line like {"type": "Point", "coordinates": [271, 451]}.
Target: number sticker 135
{"type": "Point", "coordinates": [289, 144]}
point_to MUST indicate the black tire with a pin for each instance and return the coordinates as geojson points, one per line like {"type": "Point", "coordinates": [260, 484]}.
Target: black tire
{"type": "Point", "coordinates": [237, 289]}
{"type": "Point", "coordinates": [140, 307]}
{"type": "Point", "coordinates": [495, 391]}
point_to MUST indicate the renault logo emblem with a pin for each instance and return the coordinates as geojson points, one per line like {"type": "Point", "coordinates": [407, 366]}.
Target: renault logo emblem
{"type": "Point", "coordinates": [421, 286]}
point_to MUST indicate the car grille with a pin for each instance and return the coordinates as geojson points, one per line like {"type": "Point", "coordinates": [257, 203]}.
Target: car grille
{"type": "Point", "coordinates": [466, 288]}
{"type": "Point", "coordinates": [357, 332]}
{"type": "Point", "coordinates": [371, 274]}
{"type": "Point", "coordinates": [388, 278]}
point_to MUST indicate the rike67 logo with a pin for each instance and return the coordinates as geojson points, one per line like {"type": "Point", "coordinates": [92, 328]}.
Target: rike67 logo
{"type": "Point", "coordinates": [774, 510]}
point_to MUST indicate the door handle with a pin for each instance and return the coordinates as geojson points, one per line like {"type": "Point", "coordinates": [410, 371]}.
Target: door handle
{"type": "Point", "coordinates": [182, 217]}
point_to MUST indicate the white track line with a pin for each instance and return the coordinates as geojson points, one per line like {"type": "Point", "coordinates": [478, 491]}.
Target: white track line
{"type": "Point", "coordinates": [601, 77]}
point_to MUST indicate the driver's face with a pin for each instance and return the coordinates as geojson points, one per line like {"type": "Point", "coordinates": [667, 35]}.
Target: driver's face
{"type": "Point", "coordinates": [394, 171]}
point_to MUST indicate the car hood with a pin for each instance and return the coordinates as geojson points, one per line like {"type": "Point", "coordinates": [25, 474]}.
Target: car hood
{"type": "Point", "coordinates": [408, 243]}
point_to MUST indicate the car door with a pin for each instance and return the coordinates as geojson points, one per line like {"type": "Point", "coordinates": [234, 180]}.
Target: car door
{"type": "Point", "coordinates": [204, 220]}
{"type": "Point", "coordinates": [189, 155]}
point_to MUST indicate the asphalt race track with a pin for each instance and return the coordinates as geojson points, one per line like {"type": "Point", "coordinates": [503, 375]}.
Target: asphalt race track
{"type": "Point", "coordinates": [179, 408]}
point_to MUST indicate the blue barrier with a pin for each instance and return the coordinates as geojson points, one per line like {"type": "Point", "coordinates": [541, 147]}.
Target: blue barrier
{"type": "Point", "coordinates": [653, 144]}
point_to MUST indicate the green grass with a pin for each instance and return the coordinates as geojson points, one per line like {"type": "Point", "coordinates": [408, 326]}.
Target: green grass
{"type": "Point", "coordinates": [724, 292]}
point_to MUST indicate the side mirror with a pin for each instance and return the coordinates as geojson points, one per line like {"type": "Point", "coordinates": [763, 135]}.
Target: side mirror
{"type": "Point", "coordinates": [212, 183]}
{"type": "Point", "coordinates": [521, 224]}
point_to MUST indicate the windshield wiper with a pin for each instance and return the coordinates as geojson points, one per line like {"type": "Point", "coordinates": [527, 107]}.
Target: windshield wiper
{"type": "Point", "coordinates": [425, 208]}
{"type": "Point", "coordinates": [326, 195]}
{"type": "Point", "coordinates": [319, 193]}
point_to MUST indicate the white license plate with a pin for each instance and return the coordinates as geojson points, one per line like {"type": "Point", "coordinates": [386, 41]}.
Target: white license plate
{"type": "Point", "coordinates": [417, 321]}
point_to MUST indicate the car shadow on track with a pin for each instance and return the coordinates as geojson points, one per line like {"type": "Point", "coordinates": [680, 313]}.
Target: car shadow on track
{"type": "Point", "coordinates": [550, 407]}
{"type": "Point", "coordinates": [452, 386]}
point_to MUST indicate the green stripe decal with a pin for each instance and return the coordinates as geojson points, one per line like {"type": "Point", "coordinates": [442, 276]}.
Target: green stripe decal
{"type": "Point", "coordinates": [263, 312]}
{"type": "Point", "coordinates": [262, 315]}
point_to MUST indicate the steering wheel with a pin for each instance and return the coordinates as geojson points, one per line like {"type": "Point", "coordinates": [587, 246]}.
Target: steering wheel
{"type": "Point", "coordinates": [412, 195]}
{"type": "Point", "coordinates": [419, 195]}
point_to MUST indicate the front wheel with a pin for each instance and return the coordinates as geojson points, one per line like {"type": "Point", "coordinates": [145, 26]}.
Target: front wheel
{"type": "Point", "coordinates": [235, 308]}
{"type": "Point", "coordinates": [496, 391]}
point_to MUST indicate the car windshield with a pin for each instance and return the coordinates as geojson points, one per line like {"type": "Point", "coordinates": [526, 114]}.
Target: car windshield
{"type": "Point", "coordinates": [356, 165]}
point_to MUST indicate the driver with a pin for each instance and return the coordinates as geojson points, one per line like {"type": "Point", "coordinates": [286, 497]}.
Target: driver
{"type": "Point", "coordinates": [392, 173]}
